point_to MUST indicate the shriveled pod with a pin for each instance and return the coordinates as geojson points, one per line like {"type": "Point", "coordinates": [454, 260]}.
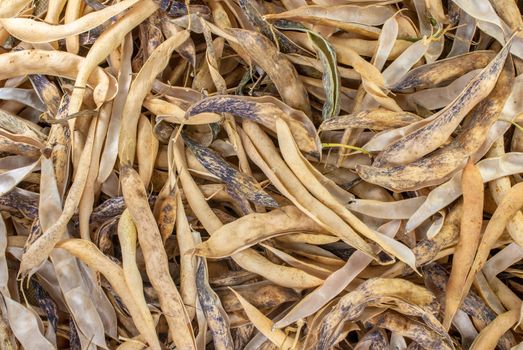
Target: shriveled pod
{"type": "Point", "coordinates": [264, 110]}
{"type": "Point", "coordinates": [441, 164]}
{"type": "Point", "coordinates": [378, 119]}
{"type": "Point", "coordinates": [432, 135]}
{"type": "Point", "coordinates": [281, 71]}
{"type": "Point", "coordinates": [440, 71]}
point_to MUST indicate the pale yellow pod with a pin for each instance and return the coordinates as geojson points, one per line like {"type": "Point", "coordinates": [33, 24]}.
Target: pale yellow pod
{"type": "Point", "coordinates": [107, 43]}
{"type": "Point", "coordinates": [60, 64]}
{"type": "Point", "coordinates": [509, 206]}
{"type": "Point", "coordinates": [500, 187]}
{"type": "Point", "coordinates": [146, 149]}
{"type": "Point", "coordinates": [251, 229]}
{"type": "Point", "coordinates": [73, 9]}
{"type": "Point", "coordinates": [489, 336]}
{"type": "Point", "coordinates": [469, 236]}
{"type": "Point", "coordinates": [248, 259]}
{"type": "Point", "coordinates": [127, 236]}
{"type": "Point", "coordinates": [262, 152]}
{"type": "Point", "coordinates": [163, 108]}
{"type": "Point", "coordinates": [88, 253]}
{"type": "Point", "coordinates": [9, 8]}
{"type": "Point", "coordinates": [156, 259]}
{"type": "Point", "coordinates": [302, 169]}
{"type": "Point", "coordinates": [186, 244]}
{"type": "Point", "coordinates": [40, 249]}
{"type": "Point", "coordinates": [508, 298]}
{"type": "Point", "coordinates": [32, 31]}
{"type": "Point", "coordinates": [265, 325]}
{"type": "Point", "coordinates": [88, 196]}
{"type": "Point", "coordinates": [54, 9]}
{"type": "Point", "coordinates": [140, 87]}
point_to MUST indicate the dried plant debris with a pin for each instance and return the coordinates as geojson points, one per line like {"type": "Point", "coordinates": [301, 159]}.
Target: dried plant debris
{"type": "Point", "coordinates": [251, 174]}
